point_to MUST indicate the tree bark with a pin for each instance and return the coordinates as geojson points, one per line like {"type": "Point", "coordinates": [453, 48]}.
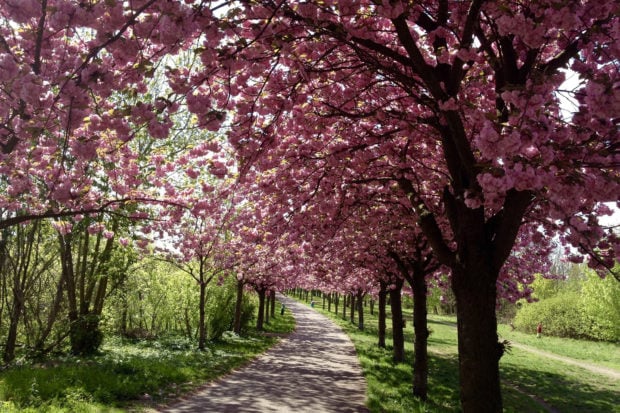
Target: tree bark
{"type": "Point", "coordinates": [398, 336]}
{"type": "Point", "coordinates": [360, 310]}
{"type": "Point", "coordinates": [336, 302]}
{"type": "Point", "coordinates": [11, 340]}
{"type": "Point", "coordinates": [382, 315]}
{"type": "Point", "coordinates": [352, 313]}
{"type": "Point", "coordinates": [238, 307]}
{"type": "Point", "coordinates": [261, 309]}
{"type": "Point", "coordinates": [202, 323]}
{"type": "Point", "coordinates": [420, 357]}
{"type": "Point", "coordinates": [479, 349]}
{"type": "Point", "coordinates": [273, 303]}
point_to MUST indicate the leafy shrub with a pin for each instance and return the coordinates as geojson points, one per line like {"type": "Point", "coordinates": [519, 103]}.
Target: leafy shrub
{"type": "Point", "coordinates": [220, 308]}
{"type": "Point", "coordinates": [591, 311]}
{"type": "Point", "coordinates": [248, 309]}
{"type": "Point", "coordinates": [559, 315]}
{"type": "Point", "coordinates": [86, 337]}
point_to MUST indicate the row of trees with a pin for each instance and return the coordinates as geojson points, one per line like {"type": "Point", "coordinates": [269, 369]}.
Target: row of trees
{"type": "Point", "coordinates": [369, 144]}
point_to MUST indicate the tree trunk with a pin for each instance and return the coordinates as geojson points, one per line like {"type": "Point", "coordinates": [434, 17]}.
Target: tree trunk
{"type": "Point", "coordinates": [398, 336]}
{"type": "Point", "coordinates": [336, 302]}
{"type": "Point", "coordinates": [345, 304]}
{"type": "Point", "coordinates": [238, 307]}
{"type": "Point", "coordinates": [273, 303]}
{"type": "Point", "coordinates": [372, 307]}
{"type": "Point", "coordinates": [51, 318]}
{"type": "Point", "coordinates": [16, 311]}
{"type": "Point", "coordinates": [420, 358]}
{"type": "Point", "coordinates": [266, 308]}
{"type": "Point", "coordinates": [382, 316]}
{"type": "Point", "coordinates": [329, 302]}
{"type": "Point", "coordinates": [360, 310]}
{"type": "Point", "coordinates": [202, 323]}
{"type": "Point", "coordinates": [261, 309]}
{"type": "Point", "coordinates": [479, 349]}
{"type": "Point", "coordinates": [352, 314]}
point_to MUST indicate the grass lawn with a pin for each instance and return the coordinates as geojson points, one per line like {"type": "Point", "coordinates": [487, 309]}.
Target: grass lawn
{"type": "Point", "coordinates": [530, 383]}
{"type": "Point", "coordinates": [129, 376]}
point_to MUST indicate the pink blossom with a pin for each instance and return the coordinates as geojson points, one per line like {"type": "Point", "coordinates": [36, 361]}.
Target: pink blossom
{"type": "Point", "coordinates": [63, 227]}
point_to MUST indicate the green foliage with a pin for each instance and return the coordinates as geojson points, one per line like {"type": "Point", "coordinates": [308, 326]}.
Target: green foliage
{"type": "Point", "coordinates": [220, 308]}
{"type": "Point", "coordinates": [559, 315]}
{"type": "Point", "coordinates": [600, 304]}
{"type": "Point", "coordinates": [547, 287]}
{"type": "Point", "coordinates": [86, 337]}
{"type": "Point", "coordinates": [586, 306]}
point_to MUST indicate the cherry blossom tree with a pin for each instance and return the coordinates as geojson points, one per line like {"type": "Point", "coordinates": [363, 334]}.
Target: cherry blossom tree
{"type": "Point", "coordinates": [74, 80]}
{"type": "Point", "coordinates": [454, 105]}
{"type": "Point", "coordinates": [462, 100]}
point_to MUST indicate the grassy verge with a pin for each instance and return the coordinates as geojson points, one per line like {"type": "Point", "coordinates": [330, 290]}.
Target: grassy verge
{"type": "Point", "coordinates": [529, 382]}
{"type": "Point", "coordinates": [129, 376]}
{"type": "Point", "coordinates": [601, 353]}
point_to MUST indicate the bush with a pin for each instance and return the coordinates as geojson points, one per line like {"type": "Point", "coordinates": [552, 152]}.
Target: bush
{"type": "Point", "coordinates": [86, 336]}
{"type": "Point", "coordinates": [220, 312]}
{"type": "Point", "coordinates": [559, 315]}
{"type": "Point", "coordinates": [220, 309]}
{"type": "Point", "coordinates": [248, 309]}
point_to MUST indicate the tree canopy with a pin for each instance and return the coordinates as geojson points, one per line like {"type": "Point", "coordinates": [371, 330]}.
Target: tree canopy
{"type": "Point", "coordinates": [348, 120]}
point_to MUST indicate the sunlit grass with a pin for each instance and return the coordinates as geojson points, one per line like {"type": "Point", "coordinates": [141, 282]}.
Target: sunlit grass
{"type": "Point", "coordinates": [601, 353]}
{"type": "Point", "coordinates": [128, 374]}
{"type": "Point", "coordinates": [528, 380]}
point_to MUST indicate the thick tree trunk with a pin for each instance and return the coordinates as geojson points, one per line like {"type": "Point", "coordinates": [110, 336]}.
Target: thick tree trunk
{"type": "Point", "coordinates": [238, 307]}
{"type": "Point", "coordinates": [345, 303]}
{"type": "Point", "coordinates": [398, 336]}
{"type": "Point", "coordinates": [479, 349]}
{"type": "Point", "coordinates": [382, 315]}
{"type": "Point", "coordinates": [420, 359]}
{"type": "Point", "coordinates": [329, 302]}
{"type": "Point", "coordinates": [273, 303]}
{"type": "Point", "coordinates": [372, 307]}
{"type": "Point", "coordinates": [266, 308]}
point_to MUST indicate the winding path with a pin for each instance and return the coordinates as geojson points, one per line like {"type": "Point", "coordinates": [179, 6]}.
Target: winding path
{"type": "Point", "coordinates": [314, 369]}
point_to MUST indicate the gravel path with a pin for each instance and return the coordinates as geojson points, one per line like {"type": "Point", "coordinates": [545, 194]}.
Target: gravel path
{"type": "Point", "coordinates": [315, 369]}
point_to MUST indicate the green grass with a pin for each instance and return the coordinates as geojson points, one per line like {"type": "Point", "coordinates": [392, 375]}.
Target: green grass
{"type": "Point", "coordinates": [527, 379]}
{"type": "Point", "coordinates": [601, 353]}
{"type": "Point", "coordinates": [129, 376]}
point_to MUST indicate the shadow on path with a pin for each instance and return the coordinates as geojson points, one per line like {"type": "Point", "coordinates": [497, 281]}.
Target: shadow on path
{"type": "Point", "coordinates": [314, 369]}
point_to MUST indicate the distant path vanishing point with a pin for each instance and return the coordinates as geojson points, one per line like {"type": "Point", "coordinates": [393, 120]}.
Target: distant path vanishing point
{"type": "Point", "coordinates": [315, 369]}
